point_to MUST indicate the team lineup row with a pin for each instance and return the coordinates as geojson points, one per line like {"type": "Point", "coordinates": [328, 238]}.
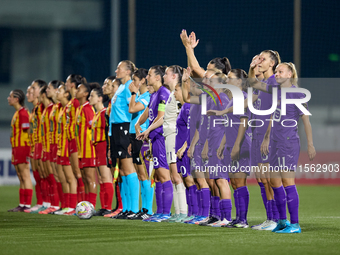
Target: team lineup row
{"type": "Point", "coordinates": [153, 133]}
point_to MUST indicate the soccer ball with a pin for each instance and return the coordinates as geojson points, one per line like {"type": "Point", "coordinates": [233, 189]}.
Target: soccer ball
{"type": "Point", "coordinates": [84, 210]}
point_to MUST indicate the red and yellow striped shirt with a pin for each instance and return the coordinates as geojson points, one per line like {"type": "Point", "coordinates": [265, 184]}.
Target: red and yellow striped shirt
{"type": "Point", "coordinates": [85, 116]}
{"type": "Point", "coordinates": [98, 127]}
{"type": "Point", "coordinates": [45, 128]}
{"type": "Point", "coordinates": [38, 110]}
{"type": "Point", "coordinates": [31, 120]}
{"type": "Point", "coordinates": [62, 136]}
{"type": "Point", "coordinates": [19, 128]}
{"type": "Point", "coordinates": [71, 110]}
{"type": "Point", "coordinates": [54, 115]}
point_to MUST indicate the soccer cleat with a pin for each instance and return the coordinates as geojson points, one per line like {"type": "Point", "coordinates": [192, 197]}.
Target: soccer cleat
{"type": "Point", "coordinates": [195, 219]}
{"type": "Point", "coordinates": [101, 212]}
{"type": "Point", "coordinates": [270, 225]}
{"type": "Point", "coordinates": [70, 212]}
{"type": "Point", "coordinates": [172, 218]}
{"type": "Point", "coordinates": [220, 223]}
{"type": "Point", "coordinates": [113, 213]}
{"type": "Point", "coordinates": [161, 218]}
{"type": "Point", "coordinates": [290, 229]}
{"type": "Point", "coordinates": [204, 219]}
{"type": "Point", "coordinates": [259, 226]}
{"type": "Point", "coordinates": [141, 215]}
{"type": "Point", "coordinates": [232, 224]}
{"type": "Point", "coordinates": [281, 225]}
{"type": "Point", "coordinates": [188, 218]}
{"type": "Point", "coordinates": [42, 208]}
{"type": "Point", "coordinates": [210, 221]}
{"type": "Point", "coordinates": [56, 211]}
{"type": "Point", "coordinates": [48, 210]}
{"type": "Point", "coordinates": [124, 215]}
{"type": "Point", "coordinates": [180, 218]}
{"type": "Point", "coordinates": [61, 212]}
{"type": "Point", "coordinates": [241, 224]}
{"type": "Point", "coordinates": [16, 209]}
{"type": "Point", "coordinates": [156, 215]}
{"type": "Point", "coordinates": [34, 208]}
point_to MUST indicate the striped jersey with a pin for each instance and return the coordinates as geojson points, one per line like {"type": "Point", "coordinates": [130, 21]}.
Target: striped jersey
{"type": "Point", "coordinates": [62, 136]}
{"type": "Point", "coordinates": [45, 128]}
{"type": "Point", "coordinates": [71, 110]}
{"type": "Point", "coordinates": [54, 115]}
{"type": "Point", "coordinates": [30, 133]}
{"type": "Point", "coordinates": [84, 118]}
{"type": "Point", "coordinates": [38, 110]}
{"type": "Point", "coordinates": [98, 127]}
{"type": "Point", "coordinates": [19, 128]}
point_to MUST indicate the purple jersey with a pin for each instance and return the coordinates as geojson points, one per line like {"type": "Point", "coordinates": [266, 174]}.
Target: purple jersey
{"type": "Point", "coordinates": [216, 124]}
{"type": "Point", "coordinates": [285, 126]}
{"type": "Point", "coordinates": [157, 102]}
{"type": "Point", "coordinates": [183, 127]}
{"type": "Point", "coordinates": [232, 126]}
{"type": "Point", "coordinates": [195, 115]}
{"type": "Point", "coordinates": [264, 102]}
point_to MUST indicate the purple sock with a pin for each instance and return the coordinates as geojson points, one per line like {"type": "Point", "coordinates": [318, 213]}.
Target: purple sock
{"type": "Point", "coordinates": [187, 193]}
{"type": "Point", "coordinates": [269, 210]}
{"type": "Point", "coordinates": [211, 210]}
{"type": "Point", "coordinates": [243, 195]}
{"type": "Point", "coordinates": [236, 201]}
{"type": "Point", "coordinates": [225, 205]}
{"type": "Point", "coordinates": [167, 197]}
{"type": "Point", "coordinates": [280, 199]}
{"type": "Point", "coordinates": [193, 194]}
{"type": "Point", "coordinates": [205, 193]}
{"type": "Point", "coordinates": [216, 209]}
{"type": "Point", "coordinates": [276, 214]}
{"type": "Point", "coordinates": [199, 202]}
{"type": "Point", "coordinates": [159, 197]}
{"type": "Point", "coordinates": [293, 203]}
{"type": "Point", "coordinates": [263, 194]}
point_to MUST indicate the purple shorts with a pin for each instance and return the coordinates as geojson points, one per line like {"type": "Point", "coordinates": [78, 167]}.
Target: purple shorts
{"type": "Point", "coordinates": [285, 155]}
{"type": "Point", "coordinates": [159, 153]}
{"type": "Point", "coordinates": [183, 165]}
{"type": "Point", "coordinates": [218, 169]}
{"type": "Point", "coordinates": [239, 166]}
{"type": "Point", "coordinates": [256, 157]}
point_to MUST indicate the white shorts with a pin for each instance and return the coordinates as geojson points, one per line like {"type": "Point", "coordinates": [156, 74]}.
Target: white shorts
{"type": "Point", "coordinates": [170, 148]}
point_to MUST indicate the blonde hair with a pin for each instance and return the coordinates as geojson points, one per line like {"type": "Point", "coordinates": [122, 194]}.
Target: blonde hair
{"type": "Point", "coordinates": [292, 68]}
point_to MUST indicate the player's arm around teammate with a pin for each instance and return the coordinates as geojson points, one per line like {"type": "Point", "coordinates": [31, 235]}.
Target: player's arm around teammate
{"type": "Point", "coordinates": [21, 148]}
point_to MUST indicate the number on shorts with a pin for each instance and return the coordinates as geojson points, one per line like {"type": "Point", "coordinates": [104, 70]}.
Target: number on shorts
{"type": "Point", "coordinates": [155, 161]}
{"type": "Point", "coordinates": [183, 170]}
{"type": "Point", "coordinates": [277, 115]}
{"type": "Point", "coordinates": [283, 161]}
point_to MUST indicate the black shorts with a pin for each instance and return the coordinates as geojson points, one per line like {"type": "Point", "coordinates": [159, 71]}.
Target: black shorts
{"type": "Point", "coordinates": [119, 141]}
{"type": "Point", "coordinates": [136, 146]}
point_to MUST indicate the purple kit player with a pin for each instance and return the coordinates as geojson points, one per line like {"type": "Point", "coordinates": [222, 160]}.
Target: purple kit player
{"type": "Point", "coordinates": [236, 152]}
{"type": "Point", "coordinates": [164, 189]}
{"type": "Point", "coordinates": [285, 149]}
{"type": "Point", "coordinates": [265, 63]}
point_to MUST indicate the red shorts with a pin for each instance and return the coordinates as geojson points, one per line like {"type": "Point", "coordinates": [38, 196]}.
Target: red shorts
{"type": "Point", "coordinates": [64, 161]}
{"type": "Point", "coordinates": [101, 153]}
{"type": "Point", "coordinates": [87, 162]}
{"type": "Point", "coordinates": [20, 155]}
{"type": "Point", "coordinates": [72, 146]}
{"type": "Point", "coordinates": [46, 156]}
{"type": "Point", "coordinates": [38, 151]}
{"type": "Point", "coordinates": [54, 150]}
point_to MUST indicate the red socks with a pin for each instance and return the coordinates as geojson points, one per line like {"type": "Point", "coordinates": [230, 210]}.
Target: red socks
{"type": "Point", "coordinates": [21, 197]}
{"type": "Point", "coordinates": [66, 200]}
{"type": "Point", "coordinates": [93, 199]}
{"type": "Point", "coordinates": [80, 190]}
{"type": "Point", "coordinates": [28, 196]}
{"type": "Point", "coordinates": [73, 201]}
{"type": "Point", "coordinates": [108, 195]}
{"type": "Point", "coordinates": [53, 190]}
{"type": "Point", "coordinates": [61, 195]}
{"type": "Point", "coordinates": [102, 196]}
{"type": "Point", "coordinates": [38, 187]}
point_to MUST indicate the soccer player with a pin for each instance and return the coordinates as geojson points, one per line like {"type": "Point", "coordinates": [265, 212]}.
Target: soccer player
{"type": "Point", "coordinates": [285, 147]}
{"type": "Point", "coordinates": [137, 106]}
{"type": "Point", "coordinates": [110, 87]}
{"type": "Point", "coordinates": [34, 100]}
{"type": "Point", "coordinates": [69, 184]}
{"type": "Point", "coordinates": [46, 142]}
{"type": "Point", "coordinates": [236, 151]}
{"type": "Point", "coordinates": [190, 43]}
{"type": "Point", "coordinates": [38, 153]}
{"type": "Point", "coordinates": [71, 85]}
{"type": "Point", "coordinates": [21, 148]}
{"type": "Point", "coordinates": [51, 92]}
{"type": "Point", "coordinates": [120, 119]}
{"type": "Point", "coordinates": [99, 142]}
{"type": "Point", "coordinates": [86, 151]}
{"type": "Point", "coordinates": [164, 189]}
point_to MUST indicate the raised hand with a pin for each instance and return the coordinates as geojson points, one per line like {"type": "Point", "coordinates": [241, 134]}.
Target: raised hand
{"type": "Point", "coordinates": [256, 60]}
{"type": "Point", "coordinates": [193, 41]}
{"type": "Point", "coordinates": [185, 39]}
{"type": "Point", "coordinates": [186, 74]}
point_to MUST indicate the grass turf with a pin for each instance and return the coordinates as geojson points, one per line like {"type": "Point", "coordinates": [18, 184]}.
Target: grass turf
{"type": "Point", "coordinates": [50, 234]}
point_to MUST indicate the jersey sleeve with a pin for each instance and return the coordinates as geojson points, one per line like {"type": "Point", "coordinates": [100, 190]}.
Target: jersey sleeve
{"type": "Point", "coordinates": [24, 120]}
{"type": "Point", "coordinates": [145, 99]}
{"type": "Point", "coordinates": [89, 114]}
{"type": "Point", "coordinates": [162, 99]}
{"type": "Point", "coordinates": [127, 93]}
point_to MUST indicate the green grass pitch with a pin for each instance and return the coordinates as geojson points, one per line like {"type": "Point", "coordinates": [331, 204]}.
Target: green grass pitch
{"type": "Point", "coordinates": [22, 233]}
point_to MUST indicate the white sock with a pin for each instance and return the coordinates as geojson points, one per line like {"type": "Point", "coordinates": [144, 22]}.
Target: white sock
{"type": "Point", "coordinates": [46, 204]}
{"type": "Point", "coordinates": [182, 199]}
{"type": "Point", "coordinates": [175, 199]}
{"type": "Point", "coordinates": [28, 206]}
{"type": "Point", "coordinates": [21, 205]}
